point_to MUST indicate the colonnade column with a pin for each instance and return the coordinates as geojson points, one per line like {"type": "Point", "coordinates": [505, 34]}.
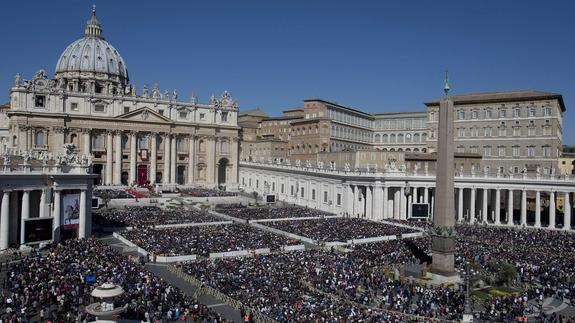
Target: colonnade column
{"type": "Point", "coordinates": [109, 156]}
{"type": "Point", "coordinates": [510, 207]}
{"type": "Point", "coordinates": [460, 204]}
{"type": "Point", "coordinates": [167, 156]}
{"type": "Point", "coordinates": [567, 212]}
{"type": "Point", "coordinates": [153, 157]}
{"type": "Point", "coordinates": [82, 223]}
{"type": "Point", "coordinates": [523, 207]}
{"type": "Point", "coordinates": [402, 203]}
{"type": "Point", "coordinates": [552, 210]}
{"type": "Point", "coordinates": [498, 206]}
{"type": "Point", "coordinates": [356, 201]}
{"type": "Point", "coordinates": [173, 159]}
{"type": "Point", "coordinates": [472, 206]}
{"type": "Point", "coordinates": [409, 205]}
{"type": "Point", "coordinates": [537, 209]}
{"type": "Point", "coordinates": [118, 158]}
{"type": "Point", "coordinates": [377, 201]}
{"type": "Point", "coordinates": [56, 215]}
{"type": "Point", "coordinates": [385, 215]}
{"type": "Point", "coordinates": [133, 141]}
{"type": "Point", "coordinates": [191, 162]}
{"type": "Point", "coordinates": [5, 220]}
{"type": "Point", "coordinates": [368, 202]}
{"type": "Point", "coordinates": [25, 214]}
{"type": "Point", "coordinates": [349, 199]}
{"type": "Point", "coordinates": [425, 195]}
{"type": "Point", "coordinates": [484, 215]}
{"type": "Point", "coordinates": [42, 208]}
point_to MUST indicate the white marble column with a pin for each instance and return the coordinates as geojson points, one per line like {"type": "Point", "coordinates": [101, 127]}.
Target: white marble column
{"type": "Point", "coordinates": [523, 207]}
{"type": "Point", "coordinates": [87, 141]}
{"type": "Point", "coordinates": [191, 161]}
{"type": "Point", "coordinates": [538, 209]}
{"type": "Point", "coordinates": [425, 195]}
{"type": "Point", "coordinates": [133, 149]}
{"type": "Point", "coordinates": [42, 207]}
{"type": "Point", "coordinates": [153, 157]}
{"type": "Point", "coordinates": [118, 158]}
{"type": "Point", "coordinates": [472, 206]}
{"type": "Point", "coordinates": [484, 215]}
{"type": "Point", "coordinates": [109, 157]}
{"type": "Point", "coordinates": [552, 210]}
{"type": "Point", "coordinates": [396, 205]}
{"type": "Point", "coordinates": [5, 220]}
{"type": "Point", "coordinates": [432, 205]}
{"type": "Point", "coordinates": [410, 199]}
{"type": "Point", "coordinates": [402, 204]}
{"type": "Point", "coordinates": [368, 202]}
{"type": "Point", "coordinates": [356, 201]}
{"type": "Point", "coordinates": [460, 204]}
{"type": "Point", "coordinates": [56, 215]}
{"type": "Point", "coordinates": [82, 223]}
{"type": "Point", "coordinates": [349, 199]}
{"type": "Point", "coordinates": [25, 214]}
{"type": "Point", "coordinates": [167, 157]}
{"type": "Point", "coordinates": [377, 201]}
{"type": "Point", "coordinates": [509, 207]}
{"type": "Point", "coordinates": [173, 159]}
{"type": "Point", "coordinates": [211, 179]}
{"type": "Point", "coordinates": [235, 160]}
{"type": "Point", "coordinates": [567, 212]}
{"type": "Point", "coordinates": [498, 206]}
{"type": "Point", "coordinates": [385, 214]}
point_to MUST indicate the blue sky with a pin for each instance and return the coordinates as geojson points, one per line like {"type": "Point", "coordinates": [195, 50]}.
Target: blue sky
{"type": "Point", "coordinates": [378, 56]}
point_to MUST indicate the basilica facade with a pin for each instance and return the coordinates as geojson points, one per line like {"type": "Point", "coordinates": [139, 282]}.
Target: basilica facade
{"type": "Point", "coordinates": [133, 138]}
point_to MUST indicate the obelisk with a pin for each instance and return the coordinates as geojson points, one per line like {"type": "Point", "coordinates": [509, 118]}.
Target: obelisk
{"type": "Point", "coordinates": [443, 238]}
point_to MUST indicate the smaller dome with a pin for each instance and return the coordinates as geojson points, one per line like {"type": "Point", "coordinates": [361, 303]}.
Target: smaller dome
{"type": "Point", "coordinates": [93, 54]}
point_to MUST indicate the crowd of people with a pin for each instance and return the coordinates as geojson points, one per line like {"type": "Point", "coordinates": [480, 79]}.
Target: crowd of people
{"type": "Point", "coordinates": [54, 287]}
{"type": "Point", "coordinates": [204, 192]}
{"type": "Point", "coordinates": [144, 216]}
{"type": "Point", "coordinates": [112, 193]}
{"type": "Point", "coordinates": [205, 239]}
{"type": "Point", "coordinates": [338, 229]}
{"type": "Point", "coordinates": [274, 213]}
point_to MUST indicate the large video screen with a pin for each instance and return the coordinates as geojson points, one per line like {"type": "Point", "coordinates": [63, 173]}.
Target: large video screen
{"type": "Point", "coordinates": [420, 210]}
{"type": "Point", "coordinates": [39, 229]}
{"type": "Point", "coordinates": [270, 198]}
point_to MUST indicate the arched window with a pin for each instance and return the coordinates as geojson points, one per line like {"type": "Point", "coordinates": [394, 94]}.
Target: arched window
{"type": "Point", "coordinates": [400, 138]}
{"type": "Point", "coordinates": [385, 138]}
{"type": "Point", "coordinates": [416, 137]}
{"type": "Point", "coordinates": [40, 138]}
{"type": "Point", "coordinates": [392, 138]}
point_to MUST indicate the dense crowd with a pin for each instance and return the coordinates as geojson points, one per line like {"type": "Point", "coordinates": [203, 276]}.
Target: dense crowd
{"type": "Point", "coordinates": [149, 216]}
{"type": "Point", "coordinates": [274, 213]}
{"type": "Point", "coordinates": [204, 192]}
{"type": "Point", "coordinates": [54, 287]}
{"type": "Point", "coordinates": [205, 239]}
{"type": "Point", "coordinates": [317, 285]}
{"type": "Point", "coordinates": [338, 229]}
{"type": "Point", "coordinates": [112, 193]}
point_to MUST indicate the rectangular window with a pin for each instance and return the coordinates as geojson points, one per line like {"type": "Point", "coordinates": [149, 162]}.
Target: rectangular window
{"type": "Point", "coordinates": [546, 151]}
{"type": "Point", "coordinates": [501, 152]}
{"type": "Point", "coordinates": [516, 151]}
{"type": "Point", "coordinates": [516, 131]}
{"type": "Point", "coordinates": [532, 131]}
{"type": "Point", "coordinates": [532, 112]}
{"type": "Point", "coordinates": [487, 132]}
{"type": "Point", "coordinates": [516, 112]}
{"type": "Point", "coordinates": [273, 187]}
{"type": "Point", "coordinates": [502, 132]}
{"type": "Point", "coordinates": [313, 194]}
{"type": "Point", "coordinates": [160, 111]}
{"type": "Point", "coordinates": [224, 117]}
{"type": "Point", "coordinates": [292, 191]}
{"type": "Point", "coordinates": [74, 106]}
{"type": "Point", "coordinates": [474, 149]}
{"type": "Point", "coordinates": [126, 109]}
{"type": "Point", "coordinates": [40, 101]}
{"type": "Point", "coordinates": [183, 114]}
{"type": "Point", "coordinates": [487, 151]}
{"type": "Point", "coordinates": [474, 114]}
{"type": "Point", "coordinates": [202, 116]}
{"type": "Point", "coordinates": [302, 194]}
{"type": "Point", "coordinates": [530, 151]}
{"type": "Point", "coordinates": [547, 111]}
{"type": "Point", "coordinates": [502, 113]}
{"type": "Point", "coordinates": [325, 197]}
{"type": "Point", "coordinates": [282, 189]}
{"type": "Point", "coordinates": [488, 114]}
{"type": "Point", "coordinates": [99, 108]}
{"type": "Point", "coordinates": [338, 199]}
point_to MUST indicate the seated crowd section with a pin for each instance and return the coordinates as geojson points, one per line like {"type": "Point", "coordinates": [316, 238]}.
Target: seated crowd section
{"type": "Point", "coordinates": [273, 212]}
{"type": "Point", "coordinates": [53, 287]}
{"type": "Point", "coordinates": [205, 239]}
{"type": "Point", "coordinates": [149, 216]}
{"type": "Point", "coordinates": [204, 192]}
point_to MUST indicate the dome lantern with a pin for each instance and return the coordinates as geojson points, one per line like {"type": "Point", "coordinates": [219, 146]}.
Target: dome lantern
{"type": "Point", "coordinates": [93, 27]}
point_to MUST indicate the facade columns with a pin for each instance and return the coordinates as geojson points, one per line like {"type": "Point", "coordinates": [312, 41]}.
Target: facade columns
{"type": "Point", "coordinates": [25, 214]}
{"type": "Point", "coordinates": [472, 206]}
{"type": "Point", "coordinates": [537, 209]}
{"type": "Point", "coordinates": [368, 202]}
{"type": "Point", "coordinates": [410, 199]}
{"type": "Point", "coordinates": [118, 158]}
{"type": "Point", "coordinates": [377, 210]}
{"type": "Point", "coordinates": [460, 204]}
{"type": "Point", "coordinates": [498, 206]}
{"type": "Point", "coordinates": [211, 160]}
{"type": "Point", "coordinates": [349, 199]}
{"type": "Point", "coordinates": [567, 212]}
{"type": "Point", "coordinates": [153, 157]}
{"type": "Point", "coordinates": [484, 215]}
{"type": "Point", "coordinates": [82, 223]}
{"type": "Point", "coordinates": [552, 210]}
{"type": "Point", "coordinates": [356, 201]}
{"type": "Point", "coordinates": [235, 160]}
{"type": "Point", "coordinates": [167, 157]}
{"type": "Point", "coordinates": [396, 205]}
{"type": "Point", "coordinates": [173, 159]}
{"type": "Point", "coordinates": [42, 209]}
{"type": "Point", "coordinates": [109, 156]}
{"type": "Point", "coordinates": [56, 215]}
{"type": "Point", "coordinates": [191, 161]}
{"type": "Point", "coordinates": [510, 207]}
{"type": "Point", "coordinates": [402, 203]}
{"type": "Point", "coordinates": [133, 148]}
{"type": "Point", "coordinates": [523, 207]}
{"type": "Point", "coordinates": [425, 195]}
{"type": "Point", "coordinates": [5, 220]}
{"type": "Point", "coordinates": [385, 214]}
{"type": "Point", "coordinates": [87, 141]}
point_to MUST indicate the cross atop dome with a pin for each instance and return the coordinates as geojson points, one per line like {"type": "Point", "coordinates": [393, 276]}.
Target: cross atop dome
{"type": "Point", "coordinates": [93, 27]}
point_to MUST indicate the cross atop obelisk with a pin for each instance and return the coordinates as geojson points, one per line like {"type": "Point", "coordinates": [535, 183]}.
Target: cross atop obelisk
{"type": "Point", "coordinates": [443, 243]}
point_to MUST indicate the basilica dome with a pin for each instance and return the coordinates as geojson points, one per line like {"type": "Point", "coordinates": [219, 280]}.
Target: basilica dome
{"type": "Point", "coordinates": [92, 57]}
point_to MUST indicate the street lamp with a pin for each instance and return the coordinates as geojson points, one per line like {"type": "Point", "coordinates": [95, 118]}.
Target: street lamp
{"type": "Point", "coordinates": [407, 193]}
